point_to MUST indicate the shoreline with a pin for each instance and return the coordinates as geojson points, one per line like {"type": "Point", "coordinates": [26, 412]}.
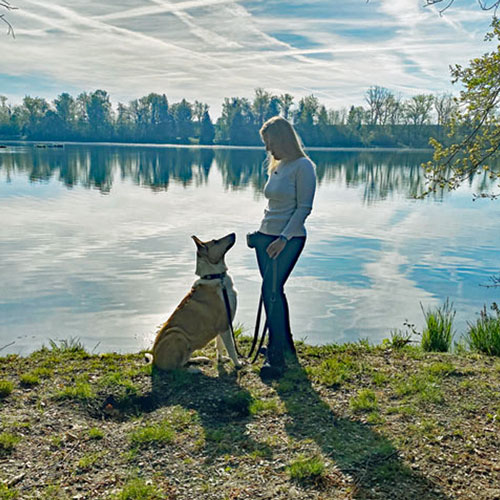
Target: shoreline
{"type": "Point", "coordinates": [214, 146]}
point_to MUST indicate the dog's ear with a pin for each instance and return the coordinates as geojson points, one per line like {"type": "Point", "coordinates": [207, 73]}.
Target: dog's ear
{"type": "Point", "coordinates": [199, 244]}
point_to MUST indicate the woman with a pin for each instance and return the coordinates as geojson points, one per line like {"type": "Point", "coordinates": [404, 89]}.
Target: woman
{"type": "Point", "coordinates": [281, 237]}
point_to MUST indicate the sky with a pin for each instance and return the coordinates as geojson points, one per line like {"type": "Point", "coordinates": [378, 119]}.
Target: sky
{"type": "Point", "coordinates": [210, 49]}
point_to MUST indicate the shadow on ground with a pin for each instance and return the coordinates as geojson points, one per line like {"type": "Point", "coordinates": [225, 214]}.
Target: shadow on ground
{"type": "Point", "coordinates": [367, 456]}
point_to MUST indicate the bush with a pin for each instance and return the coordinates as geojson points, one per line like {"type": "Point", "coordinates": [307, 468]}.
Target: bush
{"type": "Point", "coordinates": [484, 335]}
{"type": "Point", "coordinates": [438, 331]}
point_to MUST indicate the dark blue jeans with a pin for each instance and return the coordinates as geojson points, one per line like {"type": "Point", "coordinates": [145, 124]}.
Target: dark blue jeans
{"type": "Point", "coordinates": [275, 303]}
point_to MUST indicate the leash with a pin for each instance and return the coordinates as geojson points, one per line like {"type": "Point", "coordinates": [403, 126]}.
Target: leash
{"type": "Point", "coordinates": [227, 304]}
{"type": "Point", "coordinates": [225, 295]}
{"type": "Point", "coordinates": [259, 312]}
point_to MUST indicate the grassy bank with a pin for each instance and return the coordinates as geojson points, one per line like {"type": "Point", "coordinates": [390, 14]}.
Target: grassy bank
{"type": "Point", "coordinates": [353, 421]}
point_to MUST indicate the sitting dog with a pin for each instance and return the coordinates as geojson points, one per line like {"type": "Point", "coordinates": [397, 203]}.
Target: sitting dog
{"type": "Point", "coordinates": [202, 315]}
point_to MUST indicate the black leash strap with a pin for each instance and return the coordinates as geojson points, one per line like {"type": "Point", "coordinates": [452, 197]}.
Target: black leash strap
{"type": "Point", "coordinates": [228, 312]}
{"type": "Point", "coordinates": [259, 312]}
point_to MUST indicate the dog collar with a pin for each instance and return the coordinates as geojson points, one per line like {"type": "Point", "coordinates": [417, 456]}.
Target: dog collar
{"type": "Point", "coordinates": [219, 276]}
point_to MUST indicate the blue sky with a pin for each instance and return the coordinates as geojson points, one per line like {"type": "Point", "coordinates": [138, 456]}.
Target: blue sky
{"type": "Point", "coordinates": [211, 49]}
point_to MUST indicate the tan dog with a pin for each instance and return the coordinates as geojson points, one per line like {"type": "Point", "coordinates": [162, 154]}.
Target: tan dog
{"type": "Point", "coordinates": [202, 315]}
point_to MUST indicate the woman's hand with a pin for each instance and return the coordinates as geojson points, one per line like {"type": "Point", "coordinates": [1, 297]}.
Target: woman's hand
{"type": "Point", "coordinates": [276, 247]}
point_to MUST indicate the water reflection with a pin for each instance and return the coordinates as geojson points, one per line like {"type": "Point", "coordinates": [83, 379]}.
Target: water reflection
{"type": "Point", "coordinates": [381, 174]}
{"type": "Point", "coordinates": [109, 269]}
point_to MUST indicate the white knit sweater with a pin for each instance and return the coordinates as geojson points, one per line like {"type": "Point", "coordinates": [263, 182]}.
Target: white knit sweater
{"type": "Point", "coordinates": [290, 193]}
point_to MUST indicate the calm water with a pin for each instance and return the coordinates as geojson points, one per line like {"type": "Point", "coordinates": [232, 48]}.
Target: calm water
{"type": "Point", "coordinates": [95, 243]}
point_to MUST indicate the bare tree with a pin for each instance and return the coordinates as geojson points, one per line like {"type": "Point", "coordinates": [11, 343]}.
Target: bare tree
{"type": "Point", "coordinates": [6, 5]}
{"type": "Point", "coordinates": [445, 106]}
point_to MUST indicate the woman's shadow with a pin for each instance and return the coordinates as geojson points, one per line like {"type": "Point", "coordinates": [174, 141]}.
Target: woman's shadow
{"type": "Point", "coordinates": [358, 451]}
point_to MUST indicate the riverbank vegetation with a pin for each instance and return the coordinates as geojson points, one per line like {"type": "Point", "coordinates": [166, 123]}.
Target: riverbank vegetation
{"type": "Point", "coordinates": [386, 121]}
{"type": "Point", "coordinates": [351, 421]}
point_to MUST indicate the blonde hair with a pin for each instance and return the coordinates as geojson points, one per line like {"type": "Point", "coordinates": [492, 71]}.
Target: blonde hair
{"type": "Point", "coordinates": [282, 133]}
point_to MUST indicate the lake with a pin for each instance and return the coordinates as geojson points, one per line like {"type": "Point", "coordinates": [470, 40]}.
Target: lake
{"type": "Point", "coordinates": [95, 242]}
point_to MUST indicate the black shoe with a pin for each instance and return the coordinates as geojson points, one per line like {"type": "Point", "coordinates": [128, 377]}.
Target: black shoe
{"type": "Point", "coordinates": [269, 371]}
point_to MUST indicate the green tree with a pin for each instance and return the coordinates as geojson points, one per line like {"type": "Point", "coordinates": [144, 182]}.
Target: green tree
{"type": "Point", "coordinates": [183, 114]}
{"type": "Point", "coordinates": [474, 128]}
{"type": "Point", "coordinates": [34, 109]}
{"type": "Point", "coordinates": [207, 130]}
{"type": "Point", "coordinates": [236, 124]}
{"type": "Point", "coordinates": [286, 102]}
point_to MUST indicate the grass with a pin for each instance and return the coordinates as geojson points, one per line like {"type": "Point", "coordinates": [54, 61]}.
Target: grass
{"type": "Point", "coordinates": [138, 489]}
{"type": "Point", "coordinates": [6, 388]}
{"type": "Point", "coordinates": [437, 335]}
{"type": "Point", "coordinates": [423, 387]}
{"type": "Point", "coordinates": [89, 460]}
{"type": "Point", "coordinates": [334, 371]}
{"type": "Point", "coordinates": [157, 435]}
{"type": "Point", "coordinates": [8, 442]}
{"type": "Point", "coordinates": [484, 335]}
{"type": "Point", "coordinates": [6, 493]}
{"type": "Point", "coordinates": [95, 433]}
{"type": "Point", "coordinates": [306, 469]}
{"type": "Point", "coordinates": [80, 391]}
{"type": "Point", "coordinates": [352, 421]}
{"type": "Point", "coordinates": [29, 379]}
{"type": "Point", "coordinates": [364, 401]}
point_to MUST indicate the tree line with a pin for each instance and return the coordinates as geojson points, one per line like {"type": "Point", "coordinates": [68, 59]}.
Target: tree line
{"type": "Point", "coordinates": [385, 120]}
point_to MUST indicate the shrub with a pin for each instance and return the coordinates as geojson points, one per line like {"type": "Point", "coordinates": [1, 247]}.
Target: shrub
{"type": "Point", "coordinates": [484, 335]}
{"type": "Point", "coordinates": [438, 331]}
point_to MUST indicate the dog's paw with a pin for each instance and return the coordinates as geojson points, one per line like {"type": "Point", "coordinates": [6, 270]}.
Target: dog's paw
{"type": "Point", "coordinates": [199, 360]}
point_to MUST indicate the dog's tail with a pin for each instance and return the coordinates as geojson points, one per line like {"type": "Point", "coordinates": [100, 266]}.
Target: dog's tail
{"type": "Point", "coordinates": [148, 357]}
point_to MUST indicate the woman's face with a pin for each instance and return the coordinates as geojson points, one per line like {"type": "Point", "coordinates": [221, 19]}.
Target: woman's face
{"type": "Point", "coordinates": [273, 148]}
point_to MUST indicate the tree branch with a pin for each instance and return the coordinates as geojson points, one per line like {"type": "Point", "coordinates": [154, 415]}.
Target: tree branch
{"type": "Point", "coordinates": [6, 5]}
{"type": "Point", "coordinates": [482, 4]}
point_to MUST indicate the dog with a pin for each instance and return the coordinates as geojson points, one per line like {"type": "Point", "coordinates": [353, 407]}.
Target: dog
{"type": "Point", "coordinates": [202, 315]}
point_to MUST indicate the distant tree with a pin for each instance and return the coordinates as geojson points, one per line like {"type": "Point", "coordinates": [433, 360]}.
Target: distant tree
{"type": "Point", "coordinates": [99, 114]}
{"type": "Point", "coordinates": [124, 126]}
{"type": "Point", "coordinates": [183, 113]}
{"type": "Point", "coordinates": [237, 124]}
{"type": "Point", "coordinates": [445, 106]}
{"type": "Point", "coordinates": [207, 129]}
{"type": "Point", "coordinates": [33, 109]}
{"type": "Point", "coordinates": [286, 102]}
{"type": "Point", "coordinates": [305, 118]}
{"type": "Point", "coordinates": [378, 99]}
{"type": "Point", "coordinates": [260, 106]}
{"type": "Point", "coordinates": [417, 109]}
{"type": "Point", "coordinates": [199, 110]}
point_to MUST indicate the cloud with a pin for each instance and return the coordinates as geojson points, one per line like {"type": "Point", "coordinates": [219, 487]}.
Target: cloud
{"type": "Point", "coordinates": [211, 49]}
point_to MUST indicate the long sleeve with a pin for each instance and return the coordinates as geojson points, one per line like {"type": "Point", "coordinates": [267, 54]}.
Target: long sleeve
{"type": "Point", "coordinates": [305, 188]}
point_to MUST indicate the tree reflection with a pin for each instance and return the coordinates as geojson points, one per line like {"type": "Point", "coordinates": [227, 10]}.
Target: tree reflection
{"type": "Point", "coordinates": [379, 174]}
